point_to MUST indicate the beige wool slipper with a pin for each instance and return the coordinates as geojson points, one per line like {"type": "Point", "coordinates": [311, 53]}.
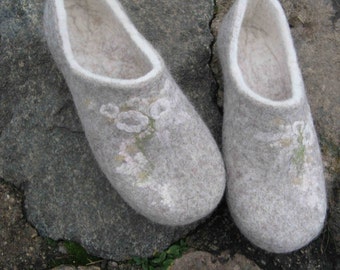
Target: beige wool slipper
{"type": "Point", "coordinates": [275, 185]}
{"type": "Point", "coordinates": [145, 135]}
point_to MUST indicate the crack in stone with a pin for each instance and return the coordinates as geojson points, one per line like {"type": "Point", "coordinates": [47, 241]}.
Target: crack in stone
{"type": "Point", "coordinates": [212, 57]}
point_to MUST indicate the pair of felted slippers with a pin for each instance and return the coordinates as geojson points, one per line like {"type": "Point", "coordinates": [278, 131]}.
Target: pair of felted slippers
{"type": "Point", "coordinates": [158, 153]}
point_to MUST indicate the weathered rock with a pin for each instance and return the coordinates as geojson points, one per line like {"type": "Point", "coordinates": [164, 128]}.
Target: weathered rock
{"type": "Point", "coordinates": [200, 260]}
{"type": "Point", "coordinates": [315, 30]}
{"type": "Point", "coordinates": [43, 148]}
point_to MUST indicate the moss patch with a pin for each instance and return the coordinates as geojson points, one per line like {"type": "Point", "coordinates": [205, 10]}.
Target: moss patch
{"type": "Point", "coordinates": [162, 260]}
{"type": "Point", "coordinates": [76, 255]}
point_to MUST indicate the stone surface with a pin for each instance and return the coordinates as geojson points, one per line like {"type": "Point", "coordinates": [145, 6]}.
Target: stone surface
{"type": "Point", "coordinates": [315, 28]}
{"type": "Point", "coordinates": [200, 260]}
{"type": "Point", "coordinates": [28, 57]}
{"type": "Point", "coordinates": [43, 147]}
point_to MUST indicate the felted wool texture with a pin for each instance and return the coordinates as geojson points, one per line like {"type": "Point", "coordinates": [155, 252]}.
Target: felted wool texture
{"type": "Point", "coordinates": [145, 135]}
{"type": "Point", "coordinates": [275, 187]}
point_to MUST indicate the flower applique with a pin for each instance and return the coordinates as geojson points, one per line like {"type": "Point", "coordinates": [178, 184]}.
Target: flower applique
{"type": "Point", "coordinates": [109, 110]}
{"type": "Point", "coordinates": [159, 107]}
{"type": "Point", "coordinates": [130, 121]}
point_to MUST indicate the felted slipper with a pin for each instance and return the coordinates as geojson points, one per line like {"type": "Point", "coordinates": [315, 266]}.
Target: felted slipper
{"type": "Point", "coordinates": [145, 135]}
{"type": "Point", "coordinates": [275, 184]}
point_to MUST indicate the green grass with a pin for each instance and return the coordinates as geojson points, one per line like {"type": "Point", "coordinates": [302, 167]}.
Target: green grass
{"type": "Point", "coordinates": [162, 260]}
{"type": "Point", "coordinates": [76, 254]}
